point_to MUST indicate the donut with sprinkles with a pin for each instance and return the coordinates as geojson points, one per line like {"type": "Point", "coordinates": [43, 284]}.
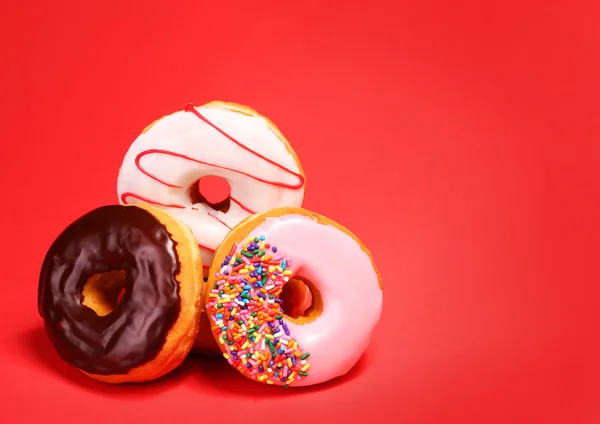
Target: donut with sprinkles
{"type": "Point", "coordinates": [284, 257]}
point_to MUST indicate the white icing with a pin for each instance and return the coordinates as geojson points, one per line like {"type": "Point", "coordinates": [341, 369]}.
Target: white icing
{"type": "Point", "coordinates": [184, 133]}
{"type": "Point", "coordinates": [344, 275]}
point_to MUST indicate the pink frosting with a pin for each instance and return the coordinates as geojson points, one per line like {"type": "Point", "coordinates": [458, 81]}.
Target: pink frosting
{"type": "Point", "coordinates": [343, 273]}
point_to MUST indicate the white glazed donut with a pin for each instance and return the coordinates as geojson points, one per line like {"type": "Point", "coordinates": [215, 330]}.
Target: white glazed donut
{"type": "Point", "coordinates": [163, 165]}
{"type": "Point", "coordinates": [248, 307]}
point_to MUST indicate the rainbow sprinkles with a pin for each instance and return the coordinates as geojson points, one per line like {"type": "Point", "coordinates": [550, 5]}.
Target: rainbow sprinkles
{"type": "Point", "coordinates": [246, 315]}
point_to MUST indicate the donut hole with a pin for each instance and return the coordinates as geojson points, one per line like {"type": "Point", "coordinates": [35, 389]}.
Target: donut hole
{"type": "Point", "coordinates": [103, 292]}
{"type": "Point", "coordinates": [212, 191]}
{"type": "Point", "coordinates": [301, 300]}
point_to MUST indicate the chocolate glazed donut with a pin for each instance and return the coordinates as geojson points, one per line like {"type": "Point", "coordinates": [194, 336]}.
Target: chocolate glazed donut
{"type": "Point", "coordinates": [136, 241]}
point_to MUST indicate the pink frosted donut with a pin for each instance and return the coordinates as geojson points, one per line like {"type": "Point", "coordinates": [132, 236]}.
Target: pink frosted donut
{"type": "Point", "coordinates": [164, 164]}
{"type": "Point", "coordinates": [294, 298]}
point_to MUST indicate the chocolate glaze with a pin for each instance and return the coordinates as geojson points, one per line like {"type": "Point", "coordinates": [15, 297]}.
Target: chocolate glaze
{"type": "Point", "coordinates": [111, 238]}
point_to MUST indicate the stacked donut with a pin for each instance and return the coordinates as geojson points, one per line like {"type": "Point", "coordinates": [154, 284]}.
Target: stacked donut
{"type": "Point", "coordinates": [286, 295]}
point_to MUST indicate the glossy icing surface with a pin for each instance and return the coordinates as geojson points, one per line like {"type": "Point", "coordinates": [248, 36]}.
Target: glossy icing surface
{"type": "Point", "coordinates": [163, 164]}
{"type": "Point", "coordinates": [106, 239]}
{"type": "Point", "coordinates": [349, 288]}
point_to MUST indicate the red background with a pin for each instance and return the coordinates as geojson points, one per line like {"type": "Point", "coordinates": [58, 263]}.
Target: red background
{"type": "Point", "coordinates": [458, 139]}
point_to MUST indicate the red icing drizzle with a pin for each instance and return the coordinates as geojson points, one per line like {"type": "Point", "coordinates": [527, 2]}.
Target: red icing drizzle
{"type": "Point", "coordinates": [190, 108]}
{"type": "Point", "coordinates": [212, 216]}
{"type": "Point", "coordinates": [240, 205]}
{"type": "Point", "coordinates": [179, 155]}
{"type": "Point", "coordinates": [125, 195]}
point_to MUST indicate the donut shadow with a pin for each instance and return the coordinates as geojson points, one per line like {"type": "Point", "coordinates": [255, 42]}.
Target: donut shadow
{"type": "Point", "coordinates": [36, 348]}
{"type": "Point", "coordinates": [226, 379]}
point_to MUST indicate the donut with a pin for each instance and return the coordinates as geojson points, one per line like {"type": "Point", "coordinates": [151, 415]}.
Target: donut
{"type": "Point", "coordinates": [163, 166]}
{"type": "Point", "coordinates": [120, 293]}
{"type": "Point", "coordinates": [266, 325]}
